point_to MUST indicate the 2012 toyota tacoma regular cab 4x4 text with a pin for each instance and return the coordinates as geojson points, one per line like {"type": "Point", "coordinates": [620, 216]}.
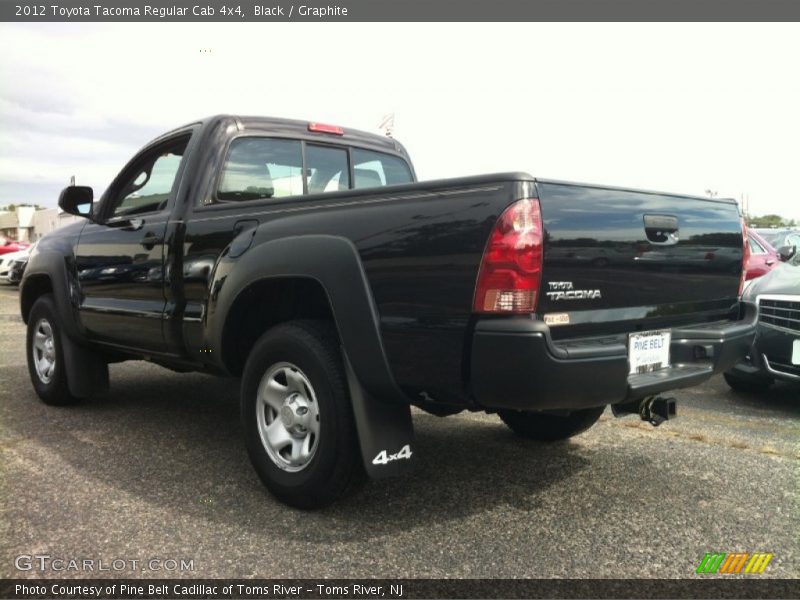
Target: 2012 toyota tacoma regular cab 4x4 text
{"type": "Point", "coordinates": [305, 259]}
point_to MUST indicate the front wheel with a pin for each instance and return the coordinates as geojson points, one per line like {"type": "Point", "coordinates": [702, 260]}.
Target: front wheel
{"type": "Point", "coordinates": [46, 355]}
{"type": "Point", "coordinates": [546, 427]}
{"type": "Point", "coordinates": [296, 413]}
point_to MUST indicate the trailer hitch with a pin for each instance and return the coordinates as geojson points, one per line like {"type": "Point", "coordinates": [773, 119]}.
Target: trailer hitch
{"type": "Point", "coordinates": [653, 409]}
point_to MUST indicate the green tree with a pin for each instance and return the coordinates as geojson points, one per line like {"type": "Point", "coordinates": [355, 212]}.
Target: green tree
{"type": "Point", "coordinates": [767, 221]}
{"type": "Point", "coordinates": [13, 207]}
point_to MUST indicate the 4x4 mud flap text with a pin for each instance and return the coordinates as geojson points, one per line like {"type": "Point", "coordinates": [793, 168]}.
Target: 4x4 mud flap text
{"type": "Point", "coordinates": [385, 430]}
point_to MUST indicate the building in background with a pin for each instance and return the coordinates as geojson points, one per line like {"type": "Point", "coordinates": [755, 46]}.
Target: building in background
{"type": "Point", "coordinates": [50, 219]}
{"type": "Point", "coordinates": [17, 224]}
{"type": "Point", "coordinates": [26, 224]}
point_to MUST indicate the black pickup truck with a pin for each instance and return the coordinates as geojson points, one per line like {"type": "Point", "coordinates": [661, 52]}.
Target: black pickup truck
{"type": "Point", "coordinates": [305, 259]}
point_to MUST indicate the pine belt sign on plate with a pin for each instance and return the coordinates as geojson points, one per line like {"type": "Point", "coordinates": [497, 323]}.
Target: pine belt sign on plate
{"type": "Point", "coordinates": [648, 351]}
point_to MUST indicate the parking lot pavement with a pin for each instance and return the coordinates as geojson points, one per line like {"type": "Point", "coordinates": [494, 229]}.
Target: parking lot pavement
{"type": "Point", "coordinates": [156, 468]}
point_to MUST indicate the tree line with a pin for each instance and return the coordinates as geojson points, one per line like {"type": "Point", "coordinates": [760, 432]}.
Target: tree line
{"type": "Point", "coordinates": [770, 221]}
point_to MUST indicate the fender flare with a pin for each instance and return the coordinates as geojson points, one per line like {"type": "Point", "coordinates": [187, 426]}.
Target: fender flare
{"type": "Point", "coordinates": [381, 410]}
{"type": "Point", "coordinates": [334, 263]}
{"type": "Point", "coordinates": [52, 265]}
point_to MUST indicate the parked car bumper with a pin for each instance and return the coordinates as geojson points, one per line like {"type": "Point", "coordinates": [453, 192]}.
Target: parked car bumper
{"type": "Point", "coordinates": [16, 271]}
{"type": "Point", "coordinates": [516, 365]}
{"type": "Point", "coordinates": [770, 356]}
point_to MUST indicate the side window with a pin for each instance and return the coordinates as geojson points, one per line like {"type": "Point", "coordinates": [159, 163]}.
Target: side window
{"type": "Point", "coordinates": [326, 169]}
{"type": "Point", "coordinates": [756, 248]}
{"type": "Point", "coordinates": [375, 169]}
{"type": "Point", "coordinates": [148, 189]}
{"type": "Point", "coordinates": [259, 168]}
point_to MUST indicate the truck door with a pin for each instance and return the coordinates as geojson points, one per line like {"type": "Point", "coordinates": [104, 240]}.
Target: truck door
{"type": "Point", "coordinates": [120, 258]}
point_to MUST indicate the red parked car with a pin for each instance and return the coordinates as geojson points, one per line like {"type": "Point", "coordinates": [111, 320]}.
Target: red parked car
{"type": "Point", "coordinates": [7, 245]}
{"type": "Point", "coordinates": [763, 257]}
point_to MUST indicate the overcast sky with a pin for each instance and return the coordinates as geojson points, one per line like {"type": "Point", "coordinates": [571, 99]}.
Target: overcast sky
{"type": "Point", "coordinates": [673, 107]}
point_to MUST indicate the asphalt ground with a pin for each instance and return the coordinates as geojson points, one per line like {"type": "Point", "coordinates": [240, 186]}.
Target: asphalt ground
{"type": "Point", "coordinates": [156, 468]}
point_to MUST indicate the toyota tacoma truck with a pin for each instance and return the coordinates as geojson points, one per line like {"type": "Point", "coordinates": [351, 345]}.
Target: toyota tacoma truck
{"type": "Point", "coordinates": [307, 261]}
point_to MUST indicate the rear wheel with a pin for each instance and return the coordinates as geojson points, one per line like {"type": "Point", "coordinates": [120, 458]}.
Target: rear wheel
{"type": "Point", "coordinates": [748, 384]}
{"type": "Point", "coordinates": [546, 427]}
{"type": "Point", "coordinates": [46, 355]}
{"type": "Point", "coordinates": [296, 412]}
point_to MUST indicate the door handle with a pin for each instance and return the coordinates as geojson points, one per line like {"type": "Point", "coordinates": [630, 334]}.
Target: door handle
{"type": "Point", "coordinates": [661, 230]}
{"type": "Point", "coordinates": [769, 262]}
{"type": "Point", "coordinates": [150, 240]}
{"type": "Point", "coordinates": [126, 224]}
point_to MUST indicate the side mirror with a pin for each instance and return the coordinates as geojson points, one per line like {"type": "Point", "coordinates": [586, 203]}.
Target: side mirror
{"type": "Point", "coordinates": [77, 200]}
{"type": "Point", "coordinates": [786, 252]}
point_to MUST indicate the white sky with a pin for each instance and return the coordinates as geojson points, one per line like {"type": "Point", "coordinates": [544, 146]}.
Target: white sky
{"type": "Point", "coordinates": [673, 107]}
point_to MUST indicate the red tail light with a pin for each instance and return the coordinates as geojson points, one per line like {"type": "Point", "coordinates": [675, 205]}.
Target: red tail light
{"type": "Point", "coordinates": [511, 269]}
{"type": "Point", "coordinates": [745, 256]}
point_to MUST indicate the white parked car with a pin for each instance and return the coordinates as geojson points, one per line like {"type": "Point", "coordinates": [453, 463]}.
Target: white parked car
{"type": "Point", "coordinates": [6, 260]}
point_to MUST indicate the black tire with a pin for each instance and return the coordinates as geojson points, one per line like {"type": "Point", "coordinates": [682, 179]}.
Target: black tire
{"type": "Point", "coordinates": [751, 385]}
{"type": "Point", "coordinates": [52, 388]}
{"type": "Point", "coordinates": [313, 348]}
{"type": "Point", "coordinates": [545, 427]}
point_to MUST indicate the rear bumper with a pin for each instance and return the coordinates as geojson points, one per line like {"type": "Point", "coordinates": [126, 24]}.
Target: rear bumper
{"type": "Point", "coordinates": [516, 365]}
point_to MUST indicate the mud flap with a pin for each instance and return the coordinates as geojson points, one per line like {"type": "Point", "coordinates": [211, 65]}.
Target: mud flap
{"type": "Point", "coordinates": [385, 430]}
{"type": "Point", "coordinates": [87, 373]}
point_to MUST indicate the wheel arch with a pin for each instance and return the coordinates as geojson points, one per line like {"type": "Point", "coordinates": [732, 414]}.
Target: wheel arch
{"type": "Point", "coordinates": [288, 298]}
{"type": "Point", "coordinates": [34, 287]}
{"type": "Point", "coordinates": [48, 272]}
{"type": "Point", "coordinates": [327, 267]}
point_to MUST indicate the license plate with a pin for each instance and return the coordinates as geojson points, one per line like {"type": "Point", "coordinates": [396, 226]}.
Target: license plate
{"type": "Point", "coordinates": [648, 351]}
{"type": "Point", "coordinates": [796, 352]}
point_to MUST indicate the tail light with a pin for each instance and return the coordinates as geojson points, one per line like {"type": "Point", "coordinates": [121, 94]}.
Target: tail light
{"type": "Point", "coordinates": [745, 256]}
{"type": "Point", "coordinates": [511, 268]}
{"type": "Point", "coordinates": [324, 128]}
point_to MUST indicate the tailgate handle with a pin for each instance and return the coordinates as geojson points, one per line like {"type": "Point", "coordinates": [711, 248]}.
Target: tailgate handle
{"type": "Point", "coordinates": [661, 230]}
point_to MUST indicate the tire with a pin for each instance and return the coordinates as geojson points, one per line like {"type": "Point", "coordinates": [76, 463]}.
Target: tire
{"type": "Point", "coordinates": [297, 417]}
{"type": "Point", "coordinates": [752, 385]}
{"type": "Point", "coordinates": [545, 427]}
{"type": "Point", "coordinates": [45, 354]}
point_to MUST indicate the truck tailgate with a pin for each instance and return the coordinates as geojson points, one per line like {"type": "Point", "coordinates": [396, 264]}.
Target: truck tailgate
{"type": "Point", "coordinates": [616, 255]}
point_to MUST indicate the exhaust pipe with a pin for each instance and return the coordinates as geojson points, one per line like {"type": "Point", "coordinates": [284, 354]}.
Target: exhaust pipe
{"type": "Point", "coordinates": [654, 409]}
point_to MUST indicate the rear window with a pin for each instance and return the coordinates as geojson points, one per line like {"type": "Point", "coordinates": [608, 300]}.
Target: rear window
{"type": "Point", "coordinates": [258, 168]}
{"type": "Point", "coordinates": [375, 169]}
{"type": "Point", "coordinates": [326, 169]}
